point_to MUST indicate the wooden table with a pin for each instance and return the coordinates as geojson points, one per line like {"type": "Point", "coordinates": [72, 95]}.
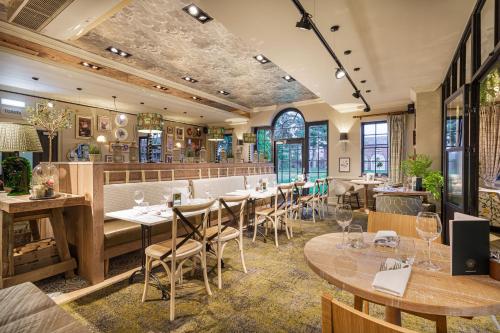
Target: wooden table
{"type": "Point", "coordinates": [366, 184]}
{"type": "Point", "coordinates": [26, 309]}
{"type": "Point", "coordinates": [428, 293]}
{"type": "Point", "coordinates": [21, 208]}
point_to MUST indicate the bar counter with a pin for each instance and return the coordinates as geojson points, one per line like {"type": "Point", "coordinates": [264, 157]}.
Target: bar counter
{"type": "Point", "coordinates": [89, 178]}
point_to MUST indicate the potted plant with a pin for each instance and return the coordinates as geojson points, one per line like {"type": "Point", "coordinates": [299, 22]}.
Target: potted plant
{"type": "Point", "coordinates": [417, 167]}
{"type": "Point", "coordinates": [94, 153]}
{"type": "Point", "coordinates": [17, 175]}
{"type": "Point", "coordinates": [434, 182]}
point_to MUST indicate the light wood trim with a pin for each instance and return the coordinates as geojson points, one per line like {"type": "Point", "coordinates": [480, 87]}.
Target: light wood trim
{"type": "Point", "coordinates": [404, 225]}
{"type": "Point", "coordinates": [339, 318]}
{"type": "Point", "coordinates": [382, 114]}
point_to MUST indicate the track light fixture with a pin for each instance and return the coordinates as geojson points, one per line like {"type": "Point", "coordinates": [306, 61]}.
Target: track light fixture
{"type": "Point", "coordinates": [367, 109]}
{"type": "Point", "coordinates": [339, 73]}
{"type": "Point", "coordinates": [304, 23]}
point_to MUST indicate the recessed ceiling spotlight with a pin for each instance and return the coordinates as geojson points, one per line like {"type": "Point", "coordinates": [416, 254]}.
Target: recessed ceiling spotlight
{"type": "Point", "coordinates": [142, 103]}
{"type": "Point", "coordinates": [79, 89]}
{"type": "Point", "coordinates": [201, 116]}
{"type": "Point", "coordinates": [347, 52]}
{"type": "Point", "coordinates": [288, 78]}
{"type": "Point", "coordinates": [363, 81]}
{"type": "Point", "coordinates": [356, 94]}
{"type": "Point", "coordinates": [339, 73]}
{"type": "Point", "coordinates": [189, 79]}
{"type": "Point", "coordinates": [368, 91]}
{"type": "Point", "coordinates": [305, 22]}
{"type": "Point", "coordinates": [196, 98]}
{"type": "Point", "coordinates": [356, 69]}
{"type": "Point", "coordinates": [335, 28]}
{"type": "Point", "coordinates": [223, 92]}
{"type": "Point", "coordinates": [260, 58]}
{"type": "Point", "coordinates": [89, 65]}
{"type": "Point", "coordinates": [197, 13]}
{"type": "Point", "coordinates": [157, 86]}
{"type": "Point", "coordinates": [165, 108]}
{"type": "Point", "coordinates": [35, 78]}
{"type": "Point", "coordinates": [185, 112]}
{"type": "Point", "coordinates": [117, 51]}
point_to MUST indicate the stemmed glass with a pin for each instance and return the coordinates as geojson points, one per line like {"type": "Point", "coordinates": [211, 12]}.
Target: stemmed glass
{"type": "Point", "coordinates": [138, 197]}
{"type": "Point", "coordinates": [343, 215]}
{"type": "Point", "coordinates": [428, 228]}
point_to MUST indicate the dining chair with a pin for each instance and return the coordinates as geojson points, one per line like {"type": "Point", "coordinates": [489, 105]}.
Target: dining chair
{"type": "Point", "coordinates": [341, 191]}
{"type": "Point", "coordinates": [173, 253]}
{"type": "Point", "coordinates": [221, 234]}
{"type": "Point", "coordinates": [325, 192]}
{"type": "Point", "coordinates": [339, 317]}
{"type": "Point", "coordinates": [294, 213]}
{"type": "Point", "coordinates": [275, 215]}
{"type": "Point", "coordinates": [312, 200]}
{"type": "Point", "coordinates": [404, 225]}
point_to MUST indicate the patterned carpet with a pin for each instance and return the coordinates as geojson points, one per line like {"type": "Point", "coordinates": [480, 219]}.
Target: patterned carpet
{"type": "Point", "coordinates": [279, 294]}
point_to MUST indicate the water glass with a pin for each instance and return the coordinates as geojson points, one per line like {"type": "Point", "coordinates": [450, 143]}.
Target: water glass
{"type": "Point", "coordinates": [355, 236]}
{"type": "Point", "coordinates": [428, 228]}
{"type": "Point", "coordinates": [138, 197]}
{"type": "Point", "coordinates": [343, 215]}
{"type": "Point", "coordinates": [406, 251]}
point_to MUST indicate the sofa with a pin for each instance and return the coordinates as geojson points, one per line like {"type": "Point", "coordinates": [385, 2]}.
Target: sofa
{"type": "Point", "coordinates": [216, 186]}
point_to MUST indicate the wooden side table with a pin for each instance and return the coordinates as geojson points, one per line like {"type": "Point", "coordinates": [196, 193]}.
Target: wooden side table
{"type": "Point", "coordinates": [21, 208]}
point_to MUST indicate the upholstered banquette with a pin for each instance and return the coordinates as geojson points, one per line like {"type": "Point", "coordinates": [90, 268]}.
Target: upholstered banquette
{"type": "Point", "coordinates": [216, 187]}
{"type": "Point", "coordinates": [253, 180]}
{"type": "Point", "coordinates": [121, 236]}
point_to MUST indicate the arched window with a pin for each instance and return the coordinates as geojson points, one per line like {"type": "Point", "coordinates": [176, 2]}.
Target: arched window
{"type": "Point", "coordinates": [289, 124]}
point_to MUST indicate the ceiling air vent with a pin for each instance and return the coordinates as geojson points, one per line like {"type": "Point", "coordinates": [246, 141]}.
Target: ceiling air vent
{"type": "Point", "coordinates": [36, 14]}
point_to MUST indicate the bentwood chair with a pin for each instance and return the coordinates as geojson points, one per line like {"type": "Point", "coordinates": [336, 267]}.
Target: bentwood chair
{"type": "Point", "coordinates": [338, 317]}
{"type": "Point", "coordinates": [173, 253]}
{"type": "Point", "coordinates": [221, 234]}
{"type": "Point", "coordinates": [325, 191]}
{"type": "Point", "coordinates": [404, 225]}
{"type": "Point", "coordinates": [276, 215]}
{"type": "Point", "coordinates": [312, 200]}
{"type": "Point", "coordinates": [294, 206]}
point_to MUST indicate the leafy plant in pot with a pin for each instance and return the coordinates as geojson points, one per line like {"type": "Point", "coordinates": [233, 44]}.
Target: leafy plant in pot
{"type": "Point", "coordinates": [417, 167]}
{"type": "Point", "coordinates": [94, 153]}
{"type": "Point", "coordinates": [434, 182]}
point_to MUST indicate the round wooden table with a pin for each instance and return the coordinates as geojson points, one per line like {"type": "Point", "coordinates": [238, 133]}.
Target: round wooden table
{"type": "Point", "coordinates": [430, 293]}
{"type": "Point", "coordinates": [366, 184]}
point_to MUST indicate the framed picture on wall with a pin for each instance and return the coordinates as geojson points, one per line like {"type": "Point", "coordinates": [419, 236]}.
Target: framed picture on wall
{"type": "Point", "coordinates": [170, 130]}
{"type": "Point", "coordinates": [344, 164]}
{"type": "Point", "coordinates": [179, 133]}
{"type": "Point", "coordinates": [170, 141]}
{"type": "Point", "coordinates": [83, 127]}
{"type": "Point", "coordinates": [108, 158]}
{"type": "Point", "coordinates": [103, 123]}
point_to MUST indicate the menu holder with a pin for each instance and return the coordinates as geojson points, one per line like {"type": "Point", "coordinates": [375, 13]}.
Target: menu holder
{"type": "Point", "coordinates": [470, 245]}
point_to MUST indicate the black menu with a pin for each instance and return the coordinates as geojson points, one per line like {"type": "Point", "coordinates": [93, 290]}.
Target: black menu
{"type": "Point", "coordinates": [470, 245]}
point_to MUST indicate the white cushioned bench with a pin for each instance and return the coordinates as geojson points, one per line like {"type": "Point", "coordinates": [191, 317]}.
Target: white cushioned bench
{"type": "Point", "coordinates": [253, 180]}
{"type": "Point", "coordinates": [121, 236]}
{"type": "Point", "coordinates": [217, 186]}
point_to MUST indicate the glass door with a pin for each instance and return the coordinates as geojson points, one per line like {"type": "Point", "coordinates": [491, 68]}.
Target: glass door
{"type": "Point", "coordinates": [289, 161]}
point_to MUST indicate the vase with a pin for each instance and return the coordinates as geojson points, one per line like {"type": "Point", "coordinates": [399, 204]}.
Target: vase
{"type": "Point", "coordinates": [44, 181]}
{"type": "Point", "coordinates": [95, 157]}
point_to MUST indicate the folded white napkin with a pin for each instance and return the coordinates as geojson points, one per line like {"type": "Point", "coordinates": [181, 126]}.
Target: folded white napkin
{"type": "Point", "coordinates": [392, 281]}
{"type": "Point", "coordinates": [386, 238]}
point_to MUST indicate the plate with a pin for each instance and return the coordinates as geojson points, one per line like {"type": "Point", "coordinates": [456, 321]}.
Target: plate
{"type": "Point", "coordinates": [121, 134]}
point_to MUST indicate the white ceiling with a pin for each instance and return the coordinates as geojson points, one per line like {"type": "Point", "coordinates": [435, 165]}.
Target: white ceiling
{"type": "Point", "coordinates": [57, 82]}
{"type": "Point", "coordinates": [400, 45]}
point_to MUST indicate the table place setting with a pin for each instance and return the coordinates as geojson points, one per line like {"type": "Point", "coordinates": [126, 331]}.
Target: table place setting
{"type": "Point", "coordinates": [392, 277]}
{"type": "Point", "coordinates": [386, 238]}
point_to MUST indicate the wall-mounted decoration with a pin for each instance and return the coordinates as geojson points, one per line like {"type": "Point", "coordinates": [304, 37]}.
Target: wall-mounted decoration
{"type": "Point", "coordinates": [121, 120]}
{"type": "Point", "coordinates": [117, 153]}
{"type": "Point", "coordinates": [79, 153]}
{"type": "Point", "coordinates": [103, 123]}
{"type": "Point", "coordinates": [108, 158]}
{"type": "Point", "coordinates": [344, 164]}
{"type": "Point", "coordinates": [170, 142]}
{"type": "Point", "coordinates": [133, 152]}
{"type": "Point", "coordinates": [179, 133]}
{"type": "Point", "coordinates": [198, 132]}
{"type": "Point", "coordinates": [170, 130]}
{"type": "Point", "coordinates": [83, 127]}
{"type": "Point", "coordinates": [121, 134]}
{"type": "Point", "coordinates": [189, 132]}
{"type": "Point", "coordinates": [168, 158]}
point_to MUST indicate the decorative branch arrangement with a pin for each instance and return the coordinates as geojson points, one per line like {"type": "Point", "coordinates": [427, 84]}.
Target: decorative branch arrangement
{"type": "Point", "coordinates": [46, 116]}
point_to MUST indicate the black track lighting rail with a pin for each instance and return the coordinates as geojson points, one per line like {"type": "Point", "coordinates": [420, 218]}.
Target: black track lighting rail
{"type": "Point", "coordinates": [323, 41]}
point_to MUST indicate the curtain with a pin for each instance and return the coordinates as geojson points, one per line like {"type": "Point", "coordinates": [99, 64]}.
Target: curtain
{"type": "Point", "coordinates": [397, 125]}
{"type": "Point", "coordinates": [489, 143]}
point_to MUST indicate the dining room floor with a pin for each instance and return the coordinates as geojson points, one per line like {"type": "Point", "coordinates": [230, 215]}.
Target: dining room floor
{"type": "Point", "coordinates": [279, 294]}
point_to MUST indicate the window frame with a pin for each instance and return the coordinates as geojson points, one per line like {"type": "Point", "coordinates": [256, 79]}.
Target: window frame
{"type": "Point", "coordinates": [375, 146]}
{"type": "Point", "coordinates": [270, 129]}
{"type": "Point", "coordinates": [307, 147]}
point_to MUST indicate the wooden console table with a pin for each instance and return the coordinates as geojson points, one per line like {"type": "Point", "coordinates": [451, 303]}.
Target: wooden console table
{"type": "Point", "coordinates": [21, 208]}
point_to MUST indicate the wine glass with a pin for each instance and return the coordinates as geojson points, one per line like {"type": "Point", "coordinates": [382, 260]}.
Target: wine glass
{"type": "Point", "coordinates": [138, 197]}
{"type": "Point", "coordinates": [343, 215]}
{"type": "Point", "coordinates": [428, 228]}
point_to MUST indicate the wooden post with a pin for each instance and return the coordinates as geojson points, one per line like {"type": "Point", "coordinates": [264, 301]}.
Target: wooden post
{"type": "Point", "coordinates": [7, 237]}
{"type": "Point", "coordinates": [57, 223]}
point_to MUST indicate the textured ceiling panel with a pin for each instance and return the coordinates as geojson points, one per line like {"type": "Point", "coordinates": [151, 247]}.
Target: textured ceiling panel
{"type": "Point", "coordinates": [167, 42]}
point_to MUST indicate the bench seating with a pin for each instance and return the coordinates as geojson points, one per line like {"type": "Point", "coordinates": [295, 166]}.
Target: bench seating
{"type": "Point", "coordinates": [253, 180]}
{"type": "Point", "coordinates": [216, 186]}
{"type": "Point", "coordinates": [120, 236]}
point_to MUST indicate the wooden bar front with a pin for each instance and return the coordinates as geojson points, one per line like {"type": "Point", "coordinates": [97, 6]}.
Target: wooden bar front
{"type": "Point", "coordinates": [88, 178]}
